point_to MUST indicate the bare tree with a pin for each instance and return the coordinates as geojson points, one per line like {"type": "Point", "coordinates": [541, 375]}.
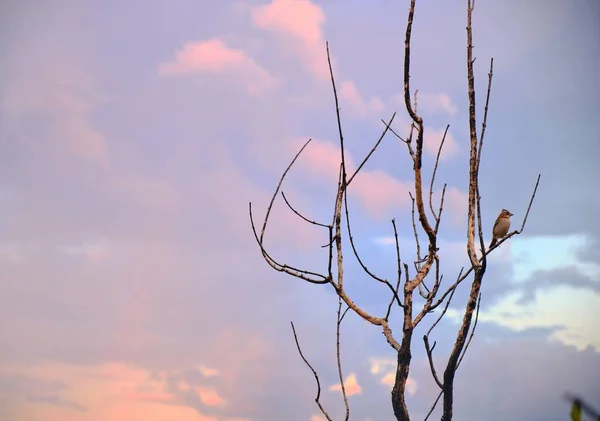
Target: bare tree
{"type": "Point", "coordinates": [427, 265]}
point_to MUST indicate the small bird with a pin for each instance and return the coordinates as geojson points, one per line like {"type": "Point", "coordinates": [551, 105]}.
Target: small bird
{"type": "Point", "coordinates": [501, 226]}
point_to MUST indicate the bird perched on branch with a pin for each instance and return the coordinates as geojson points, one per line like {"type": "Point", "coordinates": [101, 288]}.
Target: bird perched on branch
{"type": "Point", "coordinates": [501, 226]}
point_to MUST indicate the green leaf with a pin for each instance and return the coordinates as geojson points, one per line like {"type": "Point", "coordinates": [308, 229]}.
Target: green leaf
{"type": "Point", "coordinates": [576, 410]}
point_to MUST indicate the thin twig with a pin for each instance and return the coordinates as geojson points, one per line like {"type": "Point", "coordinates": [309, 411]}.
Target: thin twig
{"type": "Point", "coordinates": [434, 405]}
{"type": "Point", "coordinates": [439, 217]}
{"type": "Point", "coordinates": [429, 352]}
{"type": "Point", "coordinates": [290, 270]}
{"type": "Point", "coordinates": [437, 160]}
{"type": "Point", "coordinates": [339, 120]}
{"type": "Point", "coordinates": [419, 260]}
{"type": "Point", "coordinates": [389, 309]}
{"type": "Point", "coordinates": [360, 262]}
{"type": "Point", "coordinates": [530, 202]}
{"type": "Point", "coordinates": [318, 397]}
{"type": "Point", "coordinates": [485, 112]}
{"type": "Point", "coordinates": [387, 127]}
{"type": "Point", "coordinates": [340, 317]}
{"type": "Point", "coordinates": [300, 215]}
{"type": "Point", "coordinates": [472, 332]}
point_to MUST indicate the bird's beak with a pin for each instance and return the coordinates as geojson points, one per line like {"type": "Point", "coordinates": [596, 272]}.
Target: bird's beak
{"type": "Point", "coordinates": [511, 214]}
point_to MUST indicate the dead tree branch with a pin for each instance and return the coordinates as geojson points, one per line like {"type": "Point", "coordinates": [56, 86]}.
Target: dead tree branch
{"type": "Point", "coordinates": [318, 397]}
{"type": "Point", "coordinates": [427, 261]}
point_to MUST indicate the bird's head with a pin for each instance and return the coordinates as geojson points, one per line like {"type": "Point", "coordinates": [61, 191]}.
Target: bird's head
{"type": "Point", "coordinates": [506, 213]}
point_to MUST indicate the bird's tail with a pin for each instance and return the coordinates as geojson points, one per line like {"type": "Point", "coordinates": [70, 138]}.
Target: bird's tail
{"type": "Point", "coordinates": [493, 243]}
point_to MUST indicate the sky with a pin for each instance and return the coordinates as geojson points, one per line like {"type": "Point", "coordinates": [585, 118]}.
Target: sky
{"type": "Point", "coordinates": [133, 136]}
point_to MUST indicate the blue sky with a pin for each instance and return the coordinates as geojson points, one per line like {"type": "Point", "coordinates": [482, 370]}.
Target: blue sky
{"type": "Point", "coordinates": [134, 134]}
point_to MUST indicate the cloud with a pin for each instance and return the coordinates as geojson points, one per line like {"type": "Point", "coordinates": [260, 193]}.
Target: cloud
{"type": "Point", "coordinates": [214, 56]}
{"type": "Point", "coordinates": [210, 397]}
{"type": "Point", "coordinates": [300, 22]}
{"type": "Point", "coordinates": [574, 310]}
{"type": "Point", "coordinates": [390, 378]}
{"type": "Point", "coordinates": [94, 251]}
{"type": "Point", "coordinates": [436, 103]}
{"type": "Point", "coordinates": [56, 107]}
{"type": "Point", "coordinates": [298, 25]}
{"type": "Point", "coordinates": [11, 253]}
{"type": "Point", "coordinates": [208, 372]}
{"type": "Point", "coordinates": [553, 252]}
{"type": "Point", "coordinates": [151, 192]}
{"type": "Point", "coordinates": [106, 391]}
{"type": "Point", "coordinates": [385, 369]}
{"type": "Point", "coordinates": [349, 92]}
{"type": "Point", "coordinates": [55, 400]}
{"type": "Point", "coordinates": [456, 205]}
{"type": "Point", "coordinates": [432, 138]}
{"type": "Point", "coordinates": [350, 384]}
{"type": "Point", "coordinates": [378, 192]}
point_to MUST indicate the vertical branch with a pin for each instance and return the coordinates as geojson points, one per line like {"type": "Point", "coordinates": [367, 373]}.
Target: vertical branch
{"type": "Point", "coordinates": [474, 206]}
{"type": "Point", "coordinates": [473, 138]}
{"type": "Point", "coordinates": [483, 127]}
{"type": "Point", "coordinates": [437, 160]}
{"type": "Point", "coordinates": [340, 317]}
{"type": "Point", "coordinates": [419, 143]}
{"type": "Point", "coordinates": [337, 113]}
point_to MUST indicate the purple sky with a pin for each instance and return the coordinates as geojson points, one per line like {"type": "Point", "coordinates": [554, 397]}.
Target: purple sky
{"type": "Point", "coordinates": [134, 134]}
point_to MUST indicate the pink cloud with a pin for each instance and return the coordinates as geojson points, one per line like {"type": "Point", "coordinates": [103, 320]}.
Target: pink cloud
{"type": "Point", "coordinates": [67, 97]}
{"type": "Point", "coordinates": [301, 22]}
{"type": "Point", "coordinates": [210, 397]}
{"type": "Point", "coordinates": [432, 139]}
{"type": "Point", "coordinates": [436, 103]}
{"type": "Point", "coordinates": [377, 191]}
{"type": "Point", "coordinates": [114, 391]}
{"type": "Point", "coordinates": [321, 158]}
{"type": "Point", "coordinates": [157, 397]}
{"type": "Point", "coordinates": [456, 204]}
{"type": "Point", "coordinates": [350, 384]}
{"type": "Point", "coordinates": [154, 193]}
{"type": "Point", "coordinates": [213, 56]}
{"type": "Point", "coordinates": [208, 372]}
{"type": "Point", "coordinates": [349, 93]}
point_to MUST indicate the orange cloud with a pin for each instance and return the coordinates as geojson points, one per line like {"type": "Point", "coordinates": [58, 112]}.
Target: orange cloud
{"type": "Point", "coordinates": [390, 378]}
{"type": "Point", "coordinates": [210, 397]}
{"type": "Point", "coordinates": [213, 56]}
{"type": "Point", "coordinates": [300, 21]}
{"type": "Point", "coordinates": [350, 384]}
{"type": "Point", "coordinates": [207, 372]}
{"type": "Point", "coordinates": [112, 391]}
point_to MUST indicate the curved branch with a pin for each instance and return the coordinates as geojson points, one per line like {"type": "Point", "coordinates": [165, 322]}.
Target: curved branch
{"type": "Point", "coordinates": [318, 397]}
{"type": "Point", "coordinates": [300, 215]}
